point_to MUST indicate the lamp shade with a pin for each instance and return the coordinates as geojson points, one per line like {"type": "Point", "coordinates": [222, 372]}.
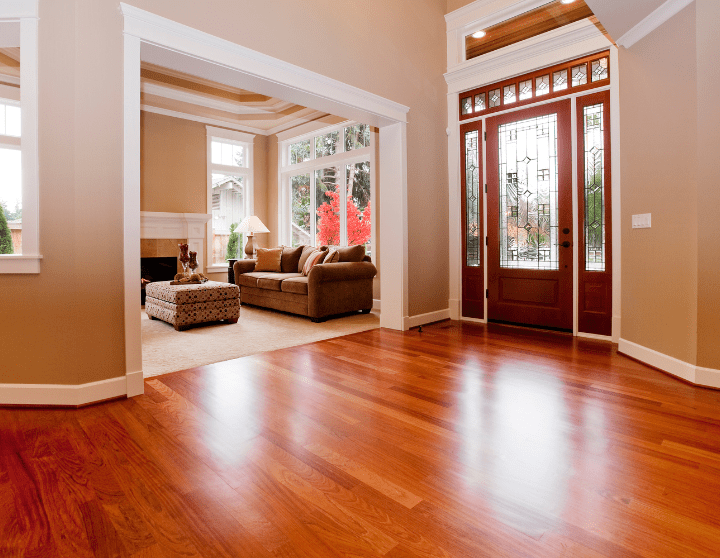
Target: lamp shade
{"type": "Point", "coordinates": [252, 225]}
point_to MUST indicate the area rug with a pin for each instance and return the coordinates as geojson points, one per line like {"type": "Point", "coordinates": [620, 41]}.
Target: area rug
{"type": "Point", "coordinates": [258, 330]}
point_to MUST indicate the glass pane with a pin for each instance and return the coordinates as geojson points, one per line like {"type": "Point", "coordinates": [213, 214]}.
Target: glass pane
{"type": "Point", "coordinates": [599, 69]}
{"type": "Point", "coordinates": [525, 89]}
{"type": "Point", "coordinates": [466, 105]}
{"type": "Point", "coordinates": [2, 119]}
{"type": "Point", "coordinates": [327, 144]}
{"type": "Point", "coordinates": [560, 80]}
{"type": "Point", "coordinates": [327, 199]}
{"type": "Point", "coordinates": [300, 224]}
{"type": "Point", "coordinates": [579, 75]}
{"type": "Point", "coordinates": [299, 152]}
{"type": "Point", "coordinates": [494, 97]}
{"type": "Point", "coordinates": [542, 85]}
{"type": "Point", "coordinates": [12, 121]}
{"type": "Point", "coordinates": [226, 154]}
{"type": "Point", "coordinates": [238, 156]}
{"type": "Point", "coordinates": [594, 188]}
{"type": "Point", "coordinates": [480, 102]}
{"type": "Point", "coordinates": [509, 94]}
{"type": "Point", "coordinates": [357, 137]}
{"type": "Point", "coordinates": [11, 200]}
{"type": "Point", "coordinates": [528, 193]}
{"type": "Point", "coordinates": [472, 200]}
{"type": "Point", "coordinates": [228, 208]}
{"type": "Point", "coordinates": [358, 205]}
{"type": "Point", "coordinates": [216, 152]}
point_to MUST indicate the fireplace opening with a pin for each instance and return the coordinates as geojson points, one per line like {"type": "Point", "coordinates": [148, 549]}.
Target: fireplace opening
{"type": "Point", "coordinates": [156, 269]}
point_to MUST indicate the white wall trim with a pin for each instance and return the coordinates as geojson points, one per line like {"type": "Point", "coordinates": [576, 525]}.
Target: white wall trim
{"type": "Point", "coordinates": [594, 336]}
{"type": "Point", "coordinates": [376, 305]}
{"type": "Point", "coordinates": [230, 135]}
{"type": "Point", "coordinates": [203, 119]}
{"type": "Point", "coordinates": [16, 9]}
{"type": "Point", "coordinates": [689, 372]}
{"type": "Point", "coordinates": [422, 319]}
{"type": "Point", "coordinates": [652, 21]}
{"type": "Point", "coordinates": [71, 395]}
{"type": "Point", "coordinates": [13, 80]}
{"type": "Point", "coordinates": [201, 100]}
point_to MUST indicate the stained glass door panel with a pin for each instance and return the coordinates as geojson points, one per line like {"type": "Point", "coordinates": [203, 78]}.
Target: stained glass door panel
{"type": "Point", "coordinates": [473, 233]}
{"type": "Point", "coordinates": [530, 217]}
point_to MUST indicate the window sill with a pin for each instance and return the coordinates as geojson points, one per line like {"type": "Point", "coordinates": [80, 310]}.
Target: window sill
{"type": "Point", "coordinates": [217, 268]}
{"type": "Point", "coordinates": [20, 264]}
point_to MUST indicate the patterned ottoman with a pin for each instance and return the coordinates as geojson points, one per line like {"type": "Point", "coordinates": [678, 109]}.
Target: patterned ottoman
{"type": "Point", "coordinates": [184, 305]}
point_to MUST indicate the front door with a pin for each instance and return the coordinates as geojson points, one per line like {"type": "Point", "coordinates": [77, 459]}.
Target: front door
{"type": "Point", "coordinates": [530, 217]}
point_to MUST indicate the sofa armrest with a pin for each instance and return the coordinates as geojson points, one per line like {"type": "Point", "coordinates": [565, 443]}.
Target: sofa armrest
{"type": "Point", "coordinates": [344, 271]}
{"type": "Point", "coordinates": [243, 266]}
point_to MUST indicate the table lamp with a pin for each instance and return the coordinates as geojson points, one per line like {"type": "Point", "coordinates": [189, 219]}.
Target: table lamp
{"type": "Point", "coordinates": [251, 225]}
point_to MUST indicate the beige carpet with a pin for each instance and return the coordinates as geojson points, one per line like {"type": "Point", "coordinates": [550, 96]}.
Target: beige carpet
{"type": "Point", "coordinates": [166, 350]}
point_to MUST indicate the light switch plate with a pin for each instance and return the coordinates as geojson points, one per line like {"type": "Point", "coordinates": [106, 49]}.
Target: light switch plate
{"type": "Point", "coordinates": [641, 221]}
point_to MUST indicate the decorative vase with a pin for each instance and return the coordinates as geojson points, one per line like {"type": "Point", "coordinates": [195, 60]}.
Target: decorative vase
{"type": "Point", "coordinates": [193, 264]}
{"type": "Point", "coordinates": [184, 258]}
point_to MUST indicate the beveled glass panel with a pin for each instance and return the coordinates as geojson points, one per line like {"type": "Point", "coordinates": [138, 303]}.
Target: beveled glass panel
{"type": "Point", "coordinates": [494, 98]}
{"type": "Point", "coordinates": [560, 80]}
{"type": "Point", "coordinates": [579, 75]}
{"type": "Point", "coordinates": [359, 219]}
{"type": "Point", "coordinates": [472, 200]}
{"type": "Point", "coordinates": [329, 144]}
{"type": "Point", "coordinates": [300, 152]}
{"type": "Point", "coordinates": [528, 193]}
{"type": "Point", "coordinates": [525, 89]}
{"type": "Point", "coordinates": [542, 85]}
{"type": "Point", "coordinates": [509, 94]}
{"type": "Point", "coordinates": [599, 69]}
{"type": "Point", "coordinates": [328, 189]}
{"type": "Point", "coordinates": [300, 224]}
{"type": "Point", "coordinates": [480, 102]}
{"type": "Point", "coordinates": [466, 104]}
{"type": "Point", "coordinates": [594, 129]}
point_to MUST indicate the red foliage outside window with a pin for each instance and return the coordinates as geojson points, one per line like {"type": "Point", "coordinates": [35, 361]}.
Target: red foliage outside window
{"type": "Point", "coordinates": [328, 226]}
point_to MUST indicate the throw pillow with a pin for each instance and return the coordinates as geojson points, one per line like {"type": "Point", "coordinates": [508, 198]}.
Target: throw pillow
{"type": "Point", "coordinates": [268, 259]}
{"type": "Point", "coordinates": [332, 257]}
{"type": "Point", "coordinates": [315, 257]}
{"type": "Point", "coordinates": [352, 253]}
{"type": "Point", "coordinates": [306, 251]}
{"type": "Point", "coordinates": [290, 259]}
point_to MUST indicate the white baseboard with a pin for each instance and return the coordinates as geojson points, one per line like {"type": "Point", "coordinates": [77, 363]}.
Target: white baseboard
{"type": "Point", "coordinates": [455, 306]}
{"type": "Point", "coordinates": [594, 336]}
{"type": "Point", "coordinates": [376, 305]}
{"type": "Point", "coordinates": [473, 320]}
{"type": "Point", "coordinates": [422, 319]}
{"type": "Point", "coordinates": [70, 395]}
{"type": "Point", "coordinates": [689, 372]}
{"type": "Point", "coordinates": [135, 383]}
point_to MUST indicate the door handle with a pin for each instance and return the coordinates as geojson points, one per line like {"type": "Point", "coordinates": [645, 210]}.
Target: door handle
{"type": "Point", "coordinates": [566, 244]}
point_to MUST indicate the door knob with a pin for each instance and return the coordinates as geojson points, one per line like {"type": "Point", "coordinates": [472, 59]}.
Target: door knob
{"type": "Point", "coordinates": [566, 244]}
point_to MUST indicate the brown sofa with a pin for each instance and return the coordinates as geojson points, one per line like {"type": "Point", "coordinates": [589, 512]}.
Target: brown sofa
{"type": "Point", "coordinates": [329, 289]}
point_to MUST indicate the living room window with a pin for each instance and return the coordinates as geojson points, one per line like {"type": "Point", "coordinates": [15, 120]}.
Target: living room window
{"type": "Point", "coordinates": [327, 181]}
{"type": "Point", "coordinates": [10, 178]}
{"type": "Point", "coordinates": [230, 182]}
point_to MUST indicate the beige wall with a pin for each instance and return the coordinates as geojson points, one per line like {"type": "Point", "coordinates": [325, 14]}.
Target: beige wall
{"type": "Point", "coordinates": [658, 113]}
{"type": "Point", "coordinates": [453, 5]}
{"type": "Point", "coordinates": [67, 322]}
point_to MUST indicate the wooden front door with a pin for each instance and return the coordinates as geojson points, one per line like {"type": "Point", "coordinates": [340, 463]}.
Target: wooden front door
{"type": "Point", "coordinates": [530, 217]}
{"type": "Point", "coordinates": [473, 244]}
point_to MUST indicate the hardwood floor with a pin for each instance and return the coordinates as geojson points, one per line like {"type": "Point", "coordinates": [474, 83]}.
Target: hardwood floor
{"type": "Point", "coordinates": [460, 441]}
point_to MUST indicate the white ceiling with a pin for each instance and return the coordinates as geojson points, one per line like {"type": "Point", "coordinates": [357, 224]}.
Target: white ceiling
{"type": "Point", "coordinates": [619, 16]}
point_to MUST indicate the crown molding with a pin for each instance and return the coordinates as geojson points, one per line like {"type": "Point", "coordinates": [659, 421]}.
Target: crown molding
{"type": "Point", "coordinates": [181, 38]}
{"type": "Point", "coordinates": [651, 22]}
{"type": "Point", "coordinates": [296, 122]}
{"type": "Point", "coordinates": [554, 47]}
{"type": "Point", "coordinates": [16, 9]}
{"type": "Point", "coordinates": [200, 100]}
{"type": "Point", "coordinates": [203, 120]}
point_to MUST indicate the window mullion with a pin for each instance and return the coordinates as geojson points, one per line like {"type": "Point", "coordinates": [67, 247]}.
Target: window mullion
{"type": "Point", "coordinates": [343, 206]}
{"type": "Point", "coordinates": [313, 210]}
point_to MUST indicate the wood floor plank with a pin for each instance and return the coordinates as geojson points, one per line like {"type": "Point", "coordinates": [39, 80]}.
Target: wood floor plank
{"type": "Point", "coordinates": [460, 441]}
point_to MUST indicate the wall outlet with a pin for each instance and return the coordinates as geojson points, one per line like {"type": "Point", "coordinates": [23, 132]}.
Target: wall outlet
{"type": "Point", "coordinates": [641, 221]}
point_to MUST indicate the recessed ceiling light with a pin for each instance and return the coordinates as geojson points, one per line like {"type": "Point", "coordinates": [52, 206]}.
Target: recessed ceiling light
{"type": "Point", "coordinates": [478, 34]}
{"type": "Point", "coordinates": [567, 1]}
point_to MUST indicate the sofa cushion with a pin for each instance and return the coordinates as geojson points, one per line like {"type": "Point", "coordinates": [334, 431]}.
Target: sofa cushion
{"type": "Point", "coordinates": [273, 281]}
{"type": "Point", "coordinates": [290, 258]}
{"type": "Point", "coordinates": [298, 285]}
{"type": "Point", "coordinates": [351, 253]}
{"type": "Point", "coordinates": [249, 279]}
{"type": "Point", "coordinates": [268, 259]}
{"type": "Point", "coordinates": [332, 257]}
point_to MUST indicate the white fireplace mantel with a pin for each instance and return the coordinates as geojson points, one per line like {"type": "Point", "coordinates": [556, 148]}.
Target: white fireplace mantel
{"type": "Point", "coordinates": [191, 226]}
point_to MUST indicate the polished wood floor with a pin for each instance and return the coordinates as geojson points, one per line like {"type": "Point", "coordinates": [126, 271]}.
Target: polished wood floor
{"type": "Point", "coordinates": [460, 441]}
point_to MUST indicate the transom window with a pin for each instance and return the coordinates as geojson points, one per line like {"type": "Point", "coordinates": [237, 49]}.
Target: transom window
{"type": "Point", "coordinates": [327, 183]}
{"type": "Point", "coordinates": [229, 191]}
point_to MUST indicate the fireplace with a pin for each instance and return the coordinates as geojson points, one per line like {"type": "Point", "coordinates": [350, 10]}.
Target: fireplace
{"type": "Point", "coordinates": [157, 269]}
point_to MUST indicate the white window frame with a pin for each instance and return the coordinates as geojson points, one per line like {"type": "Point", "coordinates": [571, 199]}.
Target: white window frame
{"type": "Point", "coordinates": [239, 138]}
{"type": "Point", "coordinates": [341, 158]}
{"type": "Point", "coordinates": [22, 16]}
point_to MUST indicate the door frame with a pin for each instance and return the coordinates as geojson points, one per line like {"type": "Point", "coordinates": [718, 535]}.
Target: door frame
{"type": "Point", "coordinates": [540, 52]}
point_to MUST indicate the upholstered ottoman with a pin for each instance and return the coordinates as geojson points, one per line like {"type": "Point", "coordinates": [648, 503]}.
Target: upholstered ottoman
{"type": "Point", "coordinates": [184, 305]}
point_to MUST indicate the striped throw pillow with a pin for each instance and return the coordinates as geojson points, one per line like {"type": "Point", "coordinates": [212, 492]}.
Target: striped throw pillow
{"type": "Point", "coordinates": [315, 257]}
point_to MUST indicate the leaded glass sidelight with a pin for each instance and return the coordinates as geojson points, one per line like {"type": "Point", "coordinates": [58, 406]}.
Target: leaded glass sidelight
{"type": "Point", "coordinates": [579, 75]}
{"type": "Point", "coordinates": [594, 127]}
{"type": "Point", "coordinates": [480, 102]}
{"type": "Point", "coordinates": [472, 200]}
{"type": "Point", "coordinates": [529, 193]}
{"type": "Point", "coordinates": [509, 94]}
{"type": "Point", "coordinates": [466, 104]}
{"type": "Point", "coordinates": [560, 80]}
{"type": "Point", "coordinates": [525, 89]}
{"type": "Point", "coordinates": [542, 85]}
{"type": "Point", "coordinates": [494, 98]}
